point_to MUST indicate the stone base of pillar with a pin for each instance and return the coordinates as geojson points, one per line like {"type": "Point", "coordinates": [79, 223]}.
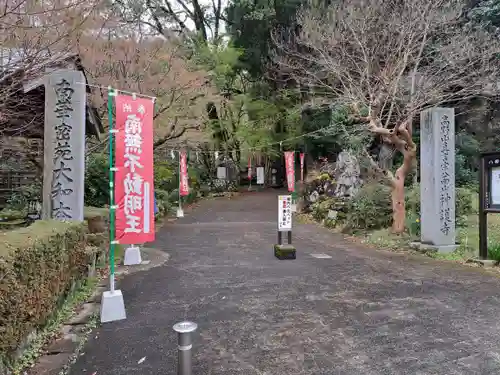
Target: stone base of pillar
{"type": "Point", "coordinates": [433, 248]}
{"type": "Point", "coordinates": [132, 256]}
{"type": "Point", "coordinates": [283, 252]}
{"type": "Point", "coordinates": [486, 263]}
{"type": "Point", "coordinates": [112, 306]}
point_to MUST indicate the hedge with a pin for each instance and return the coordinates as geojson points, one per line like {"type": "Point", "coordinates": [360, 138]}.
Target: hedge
{"type": "Point", "coordinates": [38, 266]}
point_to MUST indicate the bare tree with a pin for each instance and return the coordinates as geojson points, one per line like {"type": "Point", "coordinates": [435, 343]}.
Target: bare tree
{"type": "Point", "coordinates": [174, 17]}
{"type": "Point", "coordinates": [387, 60]}
{"type": "Point", "coordinates": [33, 37]}
{"type": "Point", "coordinates": [153, 67]}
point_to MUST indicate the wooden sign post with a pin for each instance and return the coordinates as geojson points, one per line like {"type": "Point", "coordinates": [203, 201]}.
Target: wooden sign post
{"type": "Point", "coordinates": [284, 251]}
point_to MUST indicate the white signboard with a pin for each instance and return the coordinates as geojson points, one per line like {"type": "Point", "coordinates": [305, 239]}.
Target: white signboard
{"type": "Point", "coordinates": [495, 185]}
{"type": "Point", "coordinates": [284, 213]}
{"type": "Point", "coordinates": [260, 175]}
{"type": "Point", "coordinates": [221, 173]}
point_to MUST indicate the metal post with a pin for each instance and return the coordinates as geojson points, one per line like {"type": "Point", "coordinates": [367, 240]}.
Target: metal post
{"type": "Point", "coordinates": [112, 206]}
{"type": "Point", "coordinates": [185, 344]}
{"type": "Point", "coordinates": [289, 237]}
{"type": "Point", "coordinates": [179, 172]}
{"type": "Point", "coordinates": [483, 215]}
{"type": "Point", "coordinates": [280, 240]}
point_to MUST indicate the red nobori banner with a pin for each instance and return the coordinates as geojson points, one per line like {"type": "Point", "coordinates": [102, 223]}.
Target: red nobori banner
{"type": "Point", "coordinates": [134, 191]}
{"type": "Point", "coordinates": [290, 169]}
{"type": "Point", "coordinates": [302, 166]}
{"type": "Point", "coordinates": [183, 174]}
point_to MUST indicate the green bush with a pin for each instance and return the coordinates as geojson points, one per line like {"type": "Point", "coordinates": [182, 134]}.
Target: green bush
{"type": "Point", "coordinates": [38, 266]}
{"type": "Point", "coordinates": [165, 175]}
{"type": "Point", "coordinates": [370, 209]}
{"type": "Point", "coordinates": [321, 207]}
{"type": "Point", "coordinates": [20, 200]}
{"type": "Point", "coordinates": [412, 224]}
{"type": "Point", "coordinates": [167, 186]}
{"type": "Point", "coordinates": [191, 197]}
{"type": "Point", "coordinates": [463, 202]}
{"type": "Point", "coordinates": [97, 180]}
{"type": "Point", "coordinates": [163, 203]}
{"type": "Point", "coordinates": [494, 252]}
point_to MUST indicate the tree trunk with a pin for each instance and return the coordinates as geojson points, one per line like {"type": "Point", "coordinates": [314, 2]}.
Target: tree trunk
{"type": "Point", "coordinates": [398, 191]}
{"type": "Point", "coordinates": [398, 205]}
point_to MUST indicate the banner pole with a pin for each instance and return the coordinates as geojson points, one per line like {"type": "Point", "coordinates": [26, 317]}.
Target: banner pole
{"type": "Point", "coordinates": [250, 171]}
{"type": "Point", "coordinates": [111, 196]}
{"type": "Point", "coordinates": [180, 179]}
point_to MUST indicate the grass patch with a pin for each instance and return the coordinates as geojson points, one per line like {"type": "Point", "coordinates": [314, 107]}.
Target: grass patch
{"type": "Point", "coordinates": [459, 255]}
{"type": "Point", "coordinates": [28, 236]}
{"type": "Point", "coordinates": [494, 252]}
{"type": "Point", "coordinates": [383, 238]}
{"type": "Point", "coordinates": [51, 330]}
{"type": "Point", "coordinates": [303, 218]}
{"type": "Point", "coordinates": [467, 236]}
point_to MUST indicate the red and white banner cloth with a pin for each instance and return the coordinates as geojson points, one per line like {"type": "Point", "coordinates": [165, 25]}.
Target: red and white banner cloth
{"type": "Point", "coordinates": [183, 174]}
{"type": "Point", "coordinates": [134, 190]}
{"type": "Point", "coordinates": [302, 155]}
{"type": "Point", "coordinates": [290, 169]}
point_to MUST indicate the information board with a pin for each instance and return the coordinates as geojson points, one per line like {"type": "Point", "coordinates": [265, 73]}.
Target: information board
{"type": "Point", "coordinates": [495, 186]}
{"type": "Point", "coordinates": [221, 173]}
{"type": "Point", "coordinates": [284, 213]}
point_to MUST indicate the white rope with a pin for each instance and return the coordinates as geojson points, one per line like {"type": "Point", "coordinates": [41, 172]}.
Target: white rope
{"type": "Point", "coordinates": [123, 91]}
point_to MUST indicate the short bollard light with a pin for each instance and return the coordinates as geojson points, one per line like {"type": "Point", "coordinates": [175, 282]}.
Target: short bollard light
{"type": "Point", "coordinates": [185, 344]}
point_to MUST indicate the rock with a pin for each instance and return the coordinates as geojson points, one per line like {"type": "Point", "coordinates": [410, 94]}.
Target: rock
{"type": "Point", "coordinates": [314, 196]}
{"type": "Point", "coordinates": [66, 344]}
{"type": "Point", "coordinates": [83, 317]}
{"type": "Point", "coordinates": [347, 175]}
{"type": "Point", "coordinates": [66, 329]}
{"type": "Point", "coordinates": [301, 205]}
{"type": "Point", "coordinates": [329, 188]}
{"type": "Point", "coordinates": [50, 364]}
{"type": "Point", "coordinates": [332, 214]}
{"type": "Point", "coordinates": [96, 296]}
{"type": "Point", "coordinates": [328, 168]}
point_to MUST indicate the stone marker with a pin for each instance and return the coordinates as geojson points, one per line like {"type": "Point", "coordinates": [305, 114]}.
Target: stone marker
{"type": "Point", "coordinates": [64, 146]}
{"type": "Point", "coordinates": [437, 176]}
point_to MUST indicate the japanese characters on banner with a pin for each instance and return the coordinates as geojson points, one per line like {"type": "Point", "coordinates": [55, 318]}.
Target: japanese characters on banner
{"type": "Point", "coordinates": [134, 192]}
{"type": "Point", "coordinates": [290, 169]}
{"type": "Point", "coordinates": [183, 179]}
{"type": "Point", "coordinates": [284, 213]}
{"type": "Point", "coordinates": [302, 166]}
